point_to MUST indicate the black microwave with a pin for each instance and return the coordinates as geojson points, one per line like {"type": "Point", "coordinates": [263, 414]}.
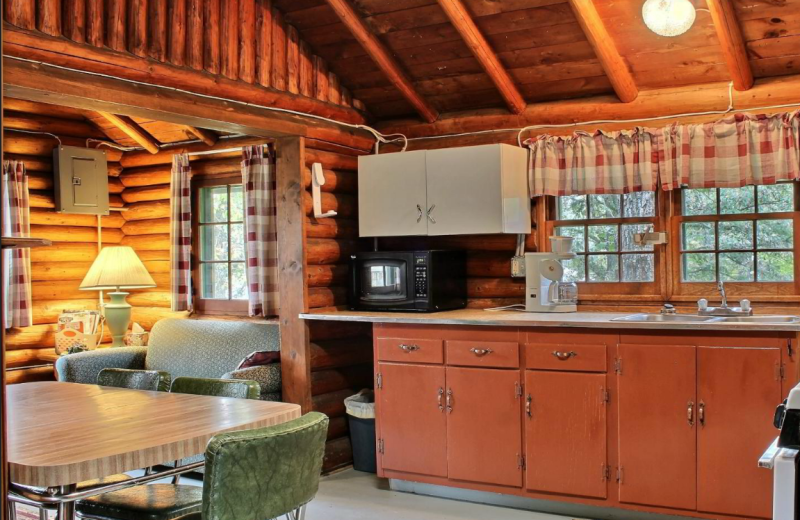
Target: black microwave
{"type": "Point", "coordinates": [411, 281]}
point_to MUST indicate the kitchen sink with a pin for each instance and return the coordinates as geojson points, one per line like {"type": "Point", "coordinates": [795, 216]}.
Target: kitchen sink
{"type": "Point", "coordinates": [759, 319]}
{"type": "Point", "coordinates": [668, 318]}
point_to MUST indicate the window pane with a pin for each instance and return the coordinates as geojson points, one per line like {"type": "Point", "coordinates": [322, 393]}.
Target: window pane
{"type": "Point", "coordinates": [238, 281]}
{"type": "Point", "coordinates": [603, 239]}
{"type": "Point", "coordinates": [214, 204]}
{"type": "Point", "coordinates": [214, 280]}
{"type": "Point", "coordinates": [237, 204]}
{"type": "Point", "coordinates": [214, 242]}
{"type": "Point", "coordinates": [775, 198]}
{"type": "Point", "coordinates": [572, 207]}
{"type": "Point", "coordinates": [628, 230]}
{"type": "Point", "coordinates": [737, 200]}
{"type": "Point", "coordinates": [736, 235]}
{"type": "Point", "coordinates": [776, 267]}
{"type": "Point", "coordinates": [237, 242]}
{"type": "Point", "coordinates": [604, 206]}
{"type": "Point", "coordinates": [699, 267]}
{"type": "Point", "coordinates": [575, 269]}
{"type": "Point", "coordinates": [775, 234]}
{"type": "Point", "coordinates": [698, 236]}
{"type": "Point", "coordinates": [576, 232]}
{"type": "Point", "coordinates": [639, 204]}
{"type": "Point", "coordinates": [736, 267]}
{"type": "Point", "coordinates": [700, 202]}
{"type": "Point", "coordinates": [603, 268]}
{"type": "Point", "coordinates": [638, 268]}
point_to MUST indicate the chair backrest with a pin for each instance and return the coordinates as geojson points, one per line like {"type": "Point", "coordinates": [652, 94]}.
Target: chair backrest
{"type": "Point", "coordinates": [155, 380]}
{"type": "Point", "coordinates": [266, 472]}
{"type": "Point", "coordinates": [239, 388]}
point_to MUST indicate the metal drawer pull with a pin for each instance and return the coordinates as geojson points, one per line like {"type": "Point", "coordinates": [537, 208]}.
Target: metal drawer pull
{"type": "Point", "coordinates": [481, 351]}
{"type": "Point", "coordinates": [563, 356]}
{"type": "Point", "coordinates": [690, 413]}
{"type": "Point", "coordinates": [408, 348]}
{"type": "Point", "coordinates": [439, 398]}
{"type": "Point", "coordinates": [528, 411]}
{"type": "Point", "coordinates": [419, 212]}
{"type": "Point", "coordinates": [449, 400]}
{"type": "Point", "coordinates": [701, 413]}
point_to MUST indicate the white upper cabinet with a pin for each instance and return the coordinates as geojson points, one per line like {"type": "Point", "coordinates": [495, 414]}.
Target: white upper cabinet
{"type": "Point", "coordinates": [454, 191]}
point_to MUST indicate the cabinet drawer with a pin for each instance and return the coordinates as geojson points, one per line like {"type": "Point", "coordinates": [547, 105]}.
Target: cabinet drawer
{"type": "Point", "coordinates": [406, 350]}
{"type": "Point", "coordinates": [495, 354]}
{"type": "Point", "coordinates": [578, 358]}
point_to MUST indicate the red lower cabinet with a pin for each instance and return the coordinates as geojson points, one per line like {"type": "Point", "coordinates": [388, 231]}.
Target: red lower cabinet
{"type": "Point", "coordinates": [565, 432]}
{"type": "Point", "coordinates": [484, 438]}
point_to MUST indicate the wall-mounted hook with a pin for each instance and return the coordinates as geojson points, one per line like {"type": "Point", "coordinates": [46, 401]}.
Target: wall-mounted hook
{"type": "Point", "coordinates": [317, 180]}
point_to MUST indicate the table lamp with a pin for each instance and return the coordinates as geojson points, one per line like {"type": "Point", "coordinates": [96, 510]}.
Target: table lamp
{"type": "Point", "coordinates": [117, 268]}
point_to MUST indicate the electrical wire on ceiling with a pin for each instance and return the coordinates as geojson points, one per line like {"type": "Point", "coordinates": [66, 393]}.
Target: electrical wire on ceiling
{"type": "Point", "coordinates": [100, 143]}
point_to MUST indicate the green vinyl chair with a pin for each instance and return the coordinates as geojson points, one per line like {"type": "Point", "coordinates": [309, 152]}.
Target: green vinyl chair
{"type": "Point", "coordinates": [239, 388]}
{"type": "Point", "coordinates": [154, 380]}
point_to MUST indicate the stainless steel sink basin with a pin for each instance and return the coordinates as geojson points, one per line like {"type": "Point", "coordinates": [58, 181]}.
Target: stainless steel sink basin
{"type": "Point", "coordinates": [760, 319]}
{"type": "Point", "coordinates": [667, 318]}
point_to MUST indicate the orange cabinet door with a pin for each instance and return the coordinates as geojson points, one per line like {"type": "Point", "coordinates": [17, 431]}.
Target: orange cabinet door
{"type": "Point", "coordinates": [565, 433]}
{"type": "Point", "coordinates": [484, 431]}
{"type": "Point", "coordinates": [412, 422]}
{"type": "Point", "coordinates": [738, 389]}
{"type": "Point", "coordinates": [657, 436]}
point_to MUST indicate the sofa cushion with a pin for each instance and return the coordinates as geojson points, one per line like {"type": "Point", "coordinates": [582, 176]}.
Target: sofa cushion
{"type": "Point", "coordinates": [206, 348]}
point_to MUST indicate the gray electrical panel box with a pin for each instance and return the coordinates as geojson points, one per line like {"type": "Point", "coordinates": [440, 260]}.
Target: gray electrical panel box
{"type": "Point", "coordinates": [80, 176]}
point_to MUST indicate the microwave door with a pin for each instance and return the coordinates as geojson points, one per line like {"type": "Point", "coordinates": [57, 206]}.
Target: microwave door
{"type": "Point", "coordinates": [384, 281]}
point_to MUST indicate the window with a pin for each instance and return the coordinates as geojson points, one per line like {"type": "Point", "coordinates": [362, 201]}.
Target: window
{"type": "Point", "coordinates": [603, 227]}
{"type": "Point", "coordinates": [738, 234]}
{"type": "Point", "coordinates": [220, 276]}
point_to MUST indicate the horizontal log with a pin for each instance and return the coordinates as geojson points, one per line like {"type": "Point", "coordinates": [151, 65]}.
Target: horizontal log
{"type": "Point", "coordinates": [323, 251]}
{"type": "Point", "coordinates": [147, 227]}
{"type": "Point", "coordinates": [331, 228]}
{"type": "Point", "coordinates": [160, 298]}
{"type": "Point", "coordinates": [41, 199]}
{"type": "Point", "coordinates": [37, 336]}
{"type": "Point", "coordinates": [147, 210]}
{"type": "Point", "coordinates": [338, 453]}
{"type": "Point", "coordinates": [30, 375]}
{"type": "Point", "coordinates": [47, 311]}
{"type": "Point", "coordinates": [69, 289]}
{"type": "Point", "coordinates": [331, 404]}
{"type": "Point", "coordinates": [43, 123]}
{"type": "Point", "coordinates": [325, 330]}
{"type": "Point", "coordinates": [338, 181]}
{"type": "Point", "coordinates": [57, 270]}
{"type": "Point", "coordinates": [466, 242]}
{"type": "Point", "coordinates": [340, 353]}
{"type": "Point", "coordinates": [148, 316]}
{"type": "Point", "coordinates": [146, 193]}
{"type": "Point", "coordinates": [326, 296]}
{"type": "Point", "coordinates": [344, 205]}
{"type": "Point", "coordinates": [337, 427]}
{"type": "Point", "coordinates": [351, 378]}
{"type": "Point", "coordinates": [158, 242]}
{"type": "Point", "coordinates": [65, 252]}
{"type": "Point", "coordinates": [76, 234]}
{"type": "Point", "coordinates": [140, 159]}
{"type": "Point", "coordinates": [43, 180]}
{"type": "Point", "coordinates": [326, 275]}
{"type": "Point", "coordinates": [162, 254]}
{"type": "Point", "coordinates": [26, 357]}
{"type": "Point", "coordinates": [33, 163]}
{"type": "Point", "coordinates": [488, 264]}
{"type": "Point", "coordinates": [47, 217]}
{"type": "Point", "coordinates": [161, 173]}
{"type": "Point", "coordinates": [42, 145]}
{"type": "Point", "coordinates": [495, 288]}
{"type": "Point", "coordinates": [331, 160]}
{"type": "Point", "coordinates": [487, 303]}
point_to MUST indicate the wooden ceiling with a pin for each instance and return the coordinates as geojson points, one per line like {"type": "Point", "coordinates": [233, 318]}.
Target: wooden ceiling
{"type": "Point", "coordinates": [540, 43]}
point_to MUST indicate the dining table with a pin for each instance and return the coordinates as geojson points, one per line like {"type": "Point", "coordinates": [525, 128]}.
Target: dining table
{"type": "Point", "coordinates": [60, 434]}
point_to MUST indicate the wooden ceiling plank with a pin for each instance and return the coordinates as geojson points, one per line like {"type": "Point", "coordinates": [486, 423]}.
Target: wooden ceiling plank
{"type": "Point", "coordinates": [209, 137]}
{"type": "Point", "coordinates": [132, 130]}
{"type": "Point", "coordinates": [473, 37]}
{"type": "Point", "coordinates": [383, 58]}
{"type": "Point", "coordinates": [732, 42]}
{"type": "Point", "coordinates": [617, 70]}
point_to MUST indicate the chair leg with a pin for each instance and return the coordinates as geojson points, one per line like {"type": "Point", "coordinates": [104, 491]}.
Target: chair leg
{"type": "Point", "coordinates": [177, 478]}
{"type": "Point", "coordinates": [42, 513]}
{"type": "Point", "coordinates": [12, 510]}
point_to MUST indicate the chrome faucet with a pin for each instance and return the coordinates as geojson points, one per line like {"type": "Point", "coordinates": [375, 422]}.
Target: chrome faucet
{"type": "Point", "coordinates": [721, 288]}
{"type": "Point", "coordinates": [723, 310]}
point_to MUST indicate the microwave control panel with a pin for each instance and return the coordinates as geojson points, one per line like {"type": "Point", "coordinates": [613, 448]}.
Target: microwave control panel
{"type": "Point", "coordinates": [421, 276]}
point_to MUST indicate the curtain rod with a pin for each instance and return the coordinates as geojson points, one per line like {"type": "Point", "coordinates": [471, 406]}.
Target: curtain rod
{"type": "Point", "coordinates": [214, 152]}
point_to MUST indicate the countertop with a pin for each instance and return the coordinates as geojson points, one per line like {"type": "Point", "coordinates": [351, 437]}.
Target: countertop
{"type": "Point", "coordinates": [594, 320]}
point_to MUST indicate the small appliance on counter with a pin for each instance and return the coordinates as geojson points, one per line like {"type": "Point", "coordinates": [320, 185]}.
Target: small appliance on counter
{"type": "Point", "coordinates": [545, 290]}
{"type": "Point", "coordinates": [408, 281]}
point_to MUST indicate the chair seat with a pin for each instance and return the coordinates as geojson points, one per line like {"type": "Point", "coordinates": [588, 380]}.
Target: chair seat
{"type": "Point", "coordinates": [153, 502]}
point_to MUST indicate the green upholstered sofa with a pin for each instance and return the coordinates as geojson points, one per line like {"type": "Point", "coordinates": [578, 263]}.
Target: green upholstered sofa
{"type": "Point", "coordinates": [193, 348]}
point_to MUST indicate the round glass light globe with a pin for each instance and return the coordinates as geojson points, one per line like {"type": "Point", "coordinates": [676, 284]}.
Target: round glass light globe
{"type": "Point", "coordinates": [668, 17]}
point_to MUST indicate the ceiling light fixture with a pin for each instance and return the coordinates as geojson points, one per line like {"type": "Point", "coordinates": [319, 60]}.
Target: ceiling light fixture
{"type": "Point", "coordinates": [668, 17]}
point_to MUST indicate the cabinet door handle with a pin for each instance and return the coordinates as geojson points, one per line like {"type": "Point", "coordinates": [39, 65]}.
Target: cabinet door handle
{"type": "Point", "coordinates": [408, 348]}
{"type": "Point", "coordinates": [701, 413]}
{"type": "Point", "coordinates": [449, 400]}
{"type": "Point", "coordinates": [430, 217]}
{"type": "Point", "coordinates": [563, 356]}
{"type": "Point", "coordinates": [690, 413]}
{"type": "Point", "coordinates": [480, 352]}
{"type": "Point", "coordinates": [439, 398]}
{"type": "Point", "coordinates": [419, 212]}
{"type": "Point", "coordinates": [528, 406]}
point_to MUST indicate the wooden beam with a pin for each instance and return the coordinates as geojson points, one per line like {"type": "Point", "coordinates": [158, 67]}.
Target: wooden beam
{"type": "Point", "coordinates": [477, 43]}
{"type": "Point", "coordinates": [383, 59]}
{"type": "Point", "coordinates": [615, 67]}
{"type": "Point", "coordinates": [295, 347]}
{"type": "Point", "coordinates": [132, 130]}
{"type": "Point", "coordinates": [732, 42]}
{"type": "Point", "coordinates": [207, 136]}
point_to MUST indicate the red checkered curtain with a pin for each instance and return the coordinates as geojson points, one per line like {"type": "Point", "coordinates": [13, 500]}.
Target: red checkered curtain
{"type": "Point", "coordinates": [181, 233]}
{"type": "Point", "coordinates": [602, 162]}
{"type": "Point", "coordinates": [17, 301]}
{"type": "Point", "coordinates": [739, 150]}
{"type": "Point", "coordinates": [261, 236]}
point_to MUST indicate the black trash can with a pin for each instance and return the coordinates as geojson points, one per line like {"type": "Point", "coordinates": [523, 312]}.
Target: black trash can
{"type": "Point", "coordinates": [361, 418]}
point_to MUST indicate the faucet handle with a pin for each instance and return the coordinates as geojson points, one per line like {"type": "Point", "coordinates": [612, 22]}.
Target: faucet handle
{"type": "Point", "coordinates": [668, 308]}
{"type": "Point", "coordinates": [702, 304]}
{"type": "Point", "coordinates": [745, 305]}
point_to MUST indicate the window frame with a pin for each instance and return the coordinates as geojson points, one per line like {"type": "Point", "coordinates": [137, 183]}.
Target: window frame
{"type": "Point", "coordinates": [208, 305]}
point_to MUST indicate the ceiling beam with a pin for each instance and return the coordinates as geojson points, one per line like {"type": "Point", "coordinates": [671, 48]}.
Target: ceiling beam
{"type": "Point", "coordinates": [209, 137]}
{"type": "Point", "coordinates": [615, 67]}
{"type": "Point", "coordinates": [477, 43]}
{"type": "Point", "coordinates": [383, 58]}
{"type": "Point", "coordinates": [132, 130]}
{"type": "Point", "coordinates": [732, 42]}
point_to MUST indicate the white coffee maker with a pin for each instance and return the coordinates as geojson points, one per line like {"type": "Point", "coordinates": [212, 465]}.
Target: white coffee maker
{"type": "Point", "coordinates": [545, 290]}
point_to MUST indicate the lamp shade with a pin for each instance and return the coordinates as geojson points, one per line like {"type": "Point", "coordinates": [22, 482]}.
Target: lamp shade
{"type": "Point", "coordinates": [668, 17]}
{"type": "Point", "coordinates": [117, 267]}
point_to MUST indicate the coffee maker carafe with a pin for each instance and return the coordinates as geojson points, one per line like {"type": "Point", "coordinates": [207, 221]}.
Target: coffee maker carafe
{"type": "Point", "coordinates": [545, 289]}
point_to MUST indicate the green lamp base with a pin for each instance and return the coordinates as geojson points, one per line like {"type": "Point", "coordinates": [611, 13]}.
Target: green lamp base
{"type": "Point", "coordinates": [118, 317]}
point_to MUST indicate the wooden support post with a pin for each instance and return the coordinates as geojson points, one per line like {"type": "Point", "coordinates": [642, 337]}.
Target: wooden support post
{"type": "Point", "coordinates": [132, 130]}
{"type": "Point", "coordinates": [209, 137]}
{"type": "Point", "coordinates": [295, 350]}
{"type": "Point", "coordinates": [473, 37]}
{"type": "Point", "coordinates": [732, 42]}
{"type": "Point", "coordinates": [383, 58]}
{"type": "Point", "coordinates": [615, 67]}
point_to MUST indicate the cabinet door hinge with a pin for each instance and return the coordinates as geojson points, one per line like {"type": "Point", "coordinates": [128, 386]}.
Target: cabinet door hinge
{"type": "Point", "coordinates": [606, 472]}
{"type": "Point", "coordinates": [605, 397]}
{"type": "Point", "coordinates": [790, 349]}
{"type": "Point", "coordinates": [381, 447]}
{"type": "Point", "coordinates": [379, 380]}
{"type": "Point", "coordinates": [619, 474]}
{"type": "Point", "coordinates": [517, 390]}
{"type": "Point", "coordinates": [520, 461]}
{"type": "Point", "coordinates": [618, 366]}
{"type": "Point", "coordinates": [782, 371]}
